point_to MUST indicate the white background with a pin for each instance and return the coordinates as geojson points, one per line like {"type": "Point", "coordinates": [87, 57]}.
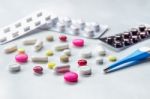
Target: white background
{"type": "Point", "coordinates": [131, 83]}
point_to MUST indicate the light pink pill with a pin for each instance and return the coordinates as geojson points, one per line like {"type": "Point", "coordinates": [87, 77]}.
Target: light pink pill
{"type": "Point", "coordinates": [71, 77]}
{"type": "Point", "coordinates": [78, 42]}
{"type": "Point", "coordinates": [22, 58]}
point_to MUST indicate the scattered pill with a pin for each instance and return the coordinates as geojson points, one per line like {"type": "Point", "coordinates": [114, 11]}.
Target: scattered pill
{"type": "Point", "coordinates": [10, 48]}
{"type": "Point", "coordinates": [71, 77]}
{"type": "Point", "coordinates": [82, 62]}
{"type": "Point", "coordinates": [14, 67]}
{"type": "Point", "coordinates": [61, 47]}
{"type": "Point", "coordinates": [38, 45]}
{"type": "Point", "coordinates": [49, 38]}
{"type": "Point", "coordinates": [85, 70]}
{"type": "Point", "coordinates": [21, 50]}
{"type": "Point", "coordinates": [39, 59]}
{"type": "Point", "coordinates": [63, 38]}
{"type": "Point", "coordinates": [112, 58]}
{"type": "Point", "coordinates": [64, 58]}
{"type": "Point", "coordinates": [62, 68]}
{"type": "Point", "coordinates": [86, 53]}
{"type": "Point", "coordinates": [30, 41]}
{"type": "Point", "coordinates": [38, 69]}
{"type": "Point", "coordinates": [101, 51]}
{"type": "Point", "coordinates": [67, 52]}
{"type": "Point", "coordinates": [78, 42]}
{"type": "Point", "coordinates": [49, 53]}
{"type": "Point", "coordinates": [51, 65]}
{"type": "Point", "coordinates": [99, 60]}
{"type": "Point", "coordinates": [21, 58]}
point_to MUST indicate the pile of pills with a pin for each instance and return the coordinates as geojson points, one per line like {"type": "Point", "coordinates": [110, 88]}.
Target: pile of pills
{"type": "Point", "coordinates": [83, 67]}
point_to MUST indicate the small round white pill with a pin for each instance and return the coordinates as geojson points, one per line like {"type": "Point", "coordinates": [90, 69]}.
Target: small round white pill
{"type": "Point", "coordinates": [67, 52]}
{"type": "Point", "coordinates": [101, 51]}
{"type": "Point", "coordinates": [86, 54]}
{"type": "Point", "coordinates": [99, 60]}
{"type": "Point", "coordinates": [14, 67]}
{"type": "Point", "coordinates": [85, 70]}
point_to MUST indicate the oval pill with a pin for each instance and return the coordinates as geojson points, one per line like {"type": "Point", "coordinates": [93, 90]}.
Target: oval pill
{"type": "Point", "coordinates": [82, 62]}
{"type": "Point", "coordinates": [49, 38]}
{"type": "Point", "coordinates": [14, 67]}
{"type": "Point", "coordinates": [112, 58]}
{"type": "Point", "coordinates": [21, 50]}
{"type": "Point", "coordinates": [64, 58]}
{"type": "Point", "coordinates": [63, 38]}
{"type": "Point", "coordinates": [49, 53]}
{"type": "Point", "coordinates": [67, 52]}
{"type": "Point", "coordinates": [78, 42]}
{"type": "Point", "coordinates": [71, 77]}
{"type": "Point", "coordinates": [51, 65]}
{"type": "Point", "coordinates": [21, 58]}
{"type": "Point", "coordinates": [38, 69]}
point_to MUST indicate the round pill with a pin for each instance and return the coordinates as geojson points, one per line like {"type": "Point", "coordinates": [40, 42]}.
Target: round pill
{"type": "Point", "coordinates": [112, 58]}
{"type": "Point", "coordinates": [101, 51]}
{"type": "Point", "coordinates": [21, 50]}
{"type": "Point", "coordinates": [82, 62]}
{"type": "Point", "coordinates": [85, 70]}
{"type": "Point", "coordinates": [22, 58]}
{"type": "Point", "coordinates": [71, 77]}
{"type": "Point", "coordinates": [78, 42]}
{"type": "Point", "coordinates": [86, 54]}
{"type": "Point", "coordinates": [64, 58]}
{"type": "Point", "coordinates": [67, 52]}
{"type": "Point", "coordinates": [49, 38]}
{"type": "Point", "coordinates": [51, 65]}
{"type": "Point", "coordinates": [63, 38]}
{"type": "Point", "coordinates": [99, 60]}
{"type": "Point", "coordinates": [38, 69]}
{"type": "Point", "coordinates": [49, 53]}
{"type": "Point", "coordinates": [14, 67]}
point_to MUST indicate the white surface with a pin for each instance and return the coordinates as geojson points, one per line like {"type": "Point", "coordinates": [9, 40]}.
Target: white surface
{"type": "Point", "coordinates": [131, 83]}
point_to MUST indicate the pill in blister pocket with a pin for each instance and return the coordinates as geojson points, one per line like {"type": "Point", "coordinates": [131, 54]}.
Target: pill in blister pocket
{"type": "Point", "coordinates": [95, 27]}
{"type": "Point", "coordinates": [62, 68]}
{"type": "Point", "coordinates": [39, 59]}
{"type": "Point", "coordinates": [80, 24]}
{"type": "Point", "coordinates": [89, 32]}
{"type": "Point", "coordinates": [67, 21]}
{"type": "Point", "coordinates": [61, 27]}
{"type": "Point", "coordinates": [61, 47]}
{"type": "Point", "coordinates": [14, 67]}
{"type": "Point", "coordinates": [10, 48]}
{"type": "Point", "coordinates": [30, 41]}
{"type": "Point", "coordinates": [75, 30]}
{"type": "Point", "coordinates": [38, 45]}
